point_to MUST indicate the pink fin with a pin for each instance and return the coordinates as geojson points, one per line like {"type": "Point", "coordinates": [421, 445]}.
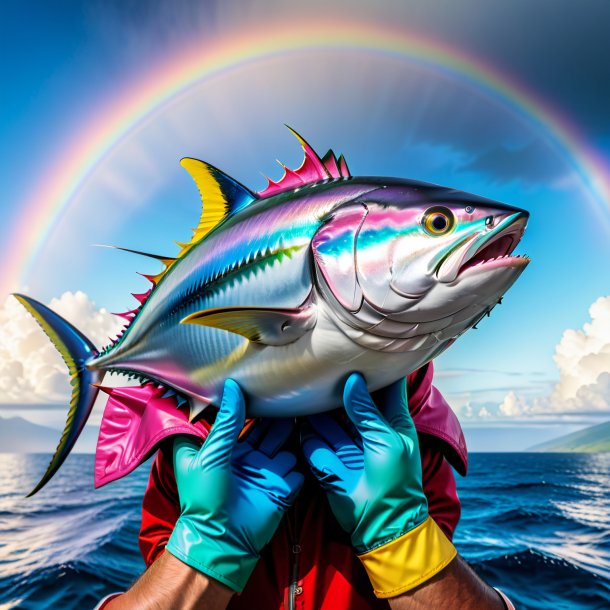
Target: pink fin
{"type": "Point", "coordinates": [142, 296]}
{"type": "Point", "coordinates": [136, 420]}
{"type": "Point", "coordinates": [330, 162]}
{"type": "Point", "coordinates": [343, 169]}
{"type": "Point", "coordinates": [151, 278]}
{"type": "Point", "coordinates": [313, 169]}
{"type": "Point", "coordinates": [127, 315]}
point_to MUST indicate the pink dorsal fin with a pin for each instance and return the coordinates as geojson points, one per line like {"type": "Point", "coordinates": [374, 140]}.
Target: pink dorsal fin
{"type": "Point", "coordinates": [343, 167]}
{"type": "Point", "coordinates": [131, 314]}
{"type": "Point", "coordinates": [291, 178]}
{"type": "Point", "coordinates": [142, 296]}
{"type": "Point", "coordinates": [330, 162]}
{"type": "Point", "coordinates": [127, 315]}
{"type": "Point", "coordinates": [313, 169]}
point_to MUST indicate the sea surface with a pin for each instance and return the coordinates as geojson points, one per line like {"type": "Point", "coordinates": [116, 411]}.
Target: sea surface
{"type": "Point", "coordinates": [535, 525]}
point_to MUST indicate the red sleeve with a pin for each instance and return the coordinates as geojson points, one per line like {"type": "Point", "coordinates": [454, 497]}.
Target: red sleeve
{"type": "Point", "coordinates": [434, 418]}
{"type": "Point", "coordinates": [160, 507]}
{"type": "Point", "coordinates": [440, 439]}
{"type": "Point", "coordinates": [439, 486]}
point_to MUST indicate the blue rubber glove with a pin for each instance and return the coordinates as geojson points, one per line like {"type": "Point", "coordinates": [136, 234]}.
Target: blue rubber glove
{"type": "Point", "coordinates": [373, 481]}
{"type": "Point", "coordinates": [232, 493]}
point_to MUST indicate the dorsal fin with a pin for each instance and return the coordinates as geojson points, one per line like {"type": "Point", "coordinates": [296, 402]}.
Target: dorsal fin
{"type": "Point", "coordinates": [313, 169]}
{"type": "Point", "coordinates": [337, 167]}
{"type": "Point", "coordinates": [220, 196]}
{"type": "Point", "coordinates": [166, 260]}
{"type": "Point", "coordinates": [130, 315]}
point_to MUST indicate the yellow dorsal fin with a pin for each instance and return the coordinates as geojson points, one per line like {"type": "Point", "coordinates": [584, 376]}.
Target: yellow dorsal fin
{"type": "Point", "coordinates": [220, 196]}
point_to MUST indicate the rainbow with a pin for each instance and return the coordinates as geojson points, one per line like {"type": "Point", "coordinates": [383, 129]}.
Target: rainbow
{"type": "Point", "coordinates": [56, 190]}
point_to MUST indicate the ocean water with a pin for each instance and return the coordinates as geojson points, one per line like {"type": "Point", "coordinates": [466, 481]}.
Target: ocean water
{"type": "Point", "coordinates": [535, 525]}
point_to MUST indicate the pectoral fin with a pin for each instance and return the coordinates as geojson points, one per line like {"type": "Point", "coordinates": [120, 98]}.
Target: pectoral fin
{"type": "Point", "coordinates": [260, 325]}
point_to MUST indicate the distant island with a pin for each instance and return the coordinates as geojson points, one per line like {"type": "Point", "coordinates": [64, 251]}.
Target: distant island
{"type": "Point", "coordinates": [595, 439]}
{"type": "Point", "coordinates": [18, 435]}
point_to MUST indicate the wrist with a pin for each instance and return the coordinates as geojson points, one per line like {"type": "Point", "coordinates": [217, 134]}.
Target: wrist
{"type": "Point", "coordinates": [386, 525]}
{"type": "Point", "coordinates": [170, 583]}
{"type": "Point", "coordinates": [214, 556]}
{"type": "Point", "coordinates": [409, 560]}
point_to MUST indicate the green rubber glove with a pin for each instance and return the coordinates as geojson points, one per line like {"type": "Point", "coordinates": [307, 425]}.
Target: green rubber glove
{"type": "Point", "coordinates": [373, 481]}
{"type": "Point", "coordinates": [232, 493]}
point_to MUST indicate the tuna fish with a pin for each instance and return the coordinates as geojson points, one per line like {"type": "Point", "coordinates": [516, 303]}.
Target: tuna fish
{"type": "Point", "coordinates": [289, 290]}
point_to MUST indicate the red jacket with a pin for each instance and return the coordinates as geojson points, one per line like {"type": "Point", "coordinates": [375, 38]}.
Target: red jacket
{"type": "Point", "coordinates": [309, 564]}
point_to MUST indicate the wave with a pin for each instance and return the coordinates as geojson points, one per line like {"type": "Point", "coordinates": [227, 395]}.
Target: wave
{"type": "Point", "coordinates": [527, 527]}
{"type": "Point", "coordinates": [559, 584]}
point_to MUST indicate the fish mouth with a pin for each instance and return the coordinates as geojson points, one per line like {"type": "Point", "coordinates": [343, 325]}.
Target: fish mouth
{"type": "Point", "coordinates": [488, 250]}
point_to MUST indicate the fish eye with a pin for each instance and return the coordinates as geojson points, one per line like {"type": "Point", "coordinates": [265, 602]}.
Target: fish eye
{"type": "Point", "coordinates": [438, 221]}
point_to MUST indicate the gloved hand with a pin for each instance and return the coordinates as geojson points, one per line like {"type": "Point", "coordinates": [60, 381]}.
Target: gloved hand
{"type": "Point", "coordinates": [232, 493]}
{"type": "Point", "coordinates": [373, 480]}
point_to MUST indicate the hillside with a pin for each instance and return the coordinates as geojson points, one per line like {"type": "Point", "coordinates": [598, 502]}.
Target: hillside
{"type": "Point", "coordinates": [17, 435]}
{"type": "Point", "coordinates": [595, 439]}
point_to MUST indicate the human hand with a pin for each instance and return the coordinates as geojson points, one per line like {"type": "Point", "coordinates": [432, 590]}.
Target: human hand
{"type": "Point", "coordinates": [373, 480]}
{"type": "Point", "coordinates": [232, 493]}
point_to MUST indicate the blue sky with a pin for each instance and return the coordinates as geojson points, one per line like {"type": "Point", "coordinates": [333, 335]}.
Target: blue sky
{"type": "Point", "coordinates": [63, 64]}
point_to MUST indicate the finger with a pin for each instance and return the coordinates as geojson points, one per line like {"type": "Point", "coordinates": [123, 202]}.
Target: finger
{"type": "Point", "coordinates": [268, 474]}
{"type": "Point", "coordinates": [312, 442]}
{"type": "Point", "coordinates": [294, 482]}
{"type": "Point", "coordinates": [285, 491]}
{"type": "Point", "coordinates": [361, 410]}
{"type": "Point", "coordinates": [281, 464]}
{"type": "Point", "coordinates": [394, 406]}
{"type": "Point", "coordinates": [338, 438]}
{"type": "Point", "coordinates": [217, 449]}
{"type": "Point", "coordinates": [330, 430]}
{"type": "Point", "coordinates": [185, 451]}
{"type": "Point", "coordinates": [323, 462]}
{"type": "Point", "coordinates": [346, 422]}
{"type": "Point", "coordinates": [275, 436]}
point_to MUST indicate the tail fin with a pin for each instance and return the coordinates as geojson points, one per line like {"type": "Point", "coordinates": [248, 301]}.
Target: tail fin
{"type": "Point", "coordinates": [75, 349]}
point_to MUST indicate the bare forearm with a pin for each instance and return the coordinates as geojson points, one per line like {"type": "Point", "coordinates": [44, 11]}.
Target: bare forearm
{"type": "Point", "coordinates": [456, 587]}
{"type": "Point", "coordinates": [168, 584]}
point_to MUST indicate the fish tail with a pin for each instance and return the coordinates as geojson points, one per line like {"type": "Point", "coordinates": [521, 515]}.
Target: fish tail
{"type": "Point", "coordinates": [76, 350]}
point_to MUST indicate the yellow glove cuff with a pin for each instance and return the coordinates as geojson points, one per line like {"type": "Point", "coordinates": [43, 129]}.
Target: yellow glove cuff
{"type": "Point", "coordinates": [409, 560]}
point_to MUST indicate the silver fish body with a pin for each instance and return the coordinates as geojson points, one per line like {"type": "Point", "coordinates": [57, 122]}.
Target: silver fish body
{"type": "Point", "coordinates": [290, 290]}
{"type": "Point", "coordinates": [302, 251]}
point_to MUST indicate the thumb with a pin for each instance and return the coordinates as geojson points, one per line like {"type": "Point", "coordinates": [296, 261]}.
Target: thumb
{"type": "Point", "coordinates": [362, 411]}
{"type": "Point", "coordinates": [218, 447]}
{"type": "Point", "coordinates": [186, 450]}
{"type": "Point", "coordinates": [394, 403]}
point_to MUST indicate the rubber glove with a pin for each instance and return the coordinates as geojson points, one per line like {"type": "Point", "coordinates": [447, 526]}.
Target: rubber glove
{"type": "Point", "coordinates": [373, 480]}
{"type": "Point", "coordinates": [232, 493]}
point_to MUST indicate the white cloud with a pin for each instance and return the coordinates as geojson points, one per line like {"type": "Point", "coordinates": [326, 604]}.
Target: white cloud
{"type": "Point", "coordinates": [583, 357]}
{"type": "Point", "coordinates": [512, 406]}
{"type": "Point", "coordinates": [31, 370]}
{"type": "Point", "coordinates": [583, 361]}
{"type": "Point", "coordinates": [464, 411]}
{"type": "Point", "coordinates": [595, 395]}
